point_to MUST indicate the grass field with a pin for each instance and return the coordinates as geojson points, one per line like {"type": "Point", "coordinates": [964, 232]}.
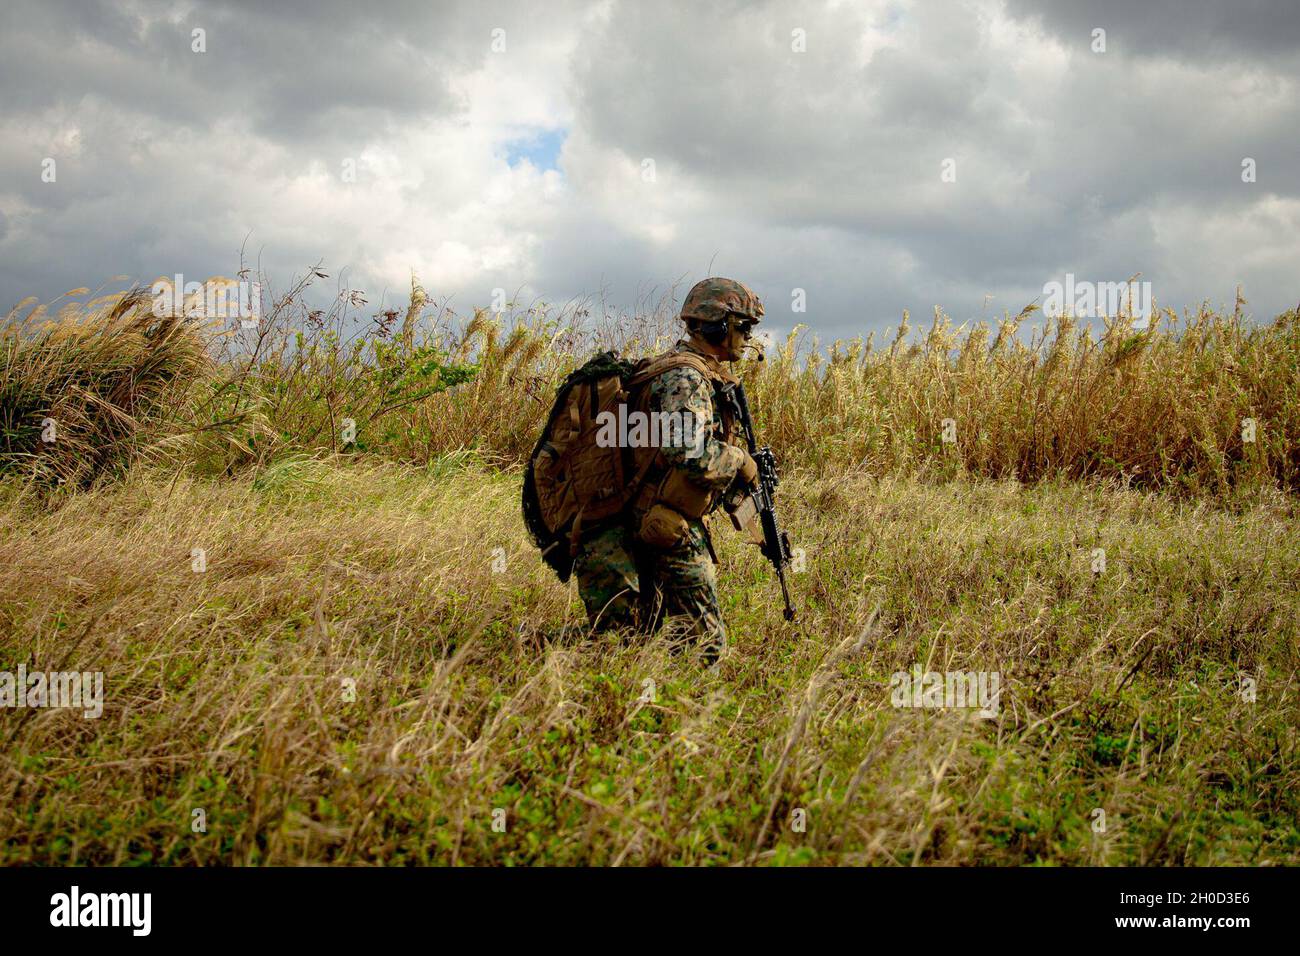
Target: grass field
{"type": "Point", "coordinates": [374, 667]}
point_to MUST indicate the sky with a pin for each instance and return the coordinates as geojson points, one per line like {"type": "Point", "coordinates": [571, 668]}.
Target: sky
{"type": "Point", "coordinates": [846, 160]}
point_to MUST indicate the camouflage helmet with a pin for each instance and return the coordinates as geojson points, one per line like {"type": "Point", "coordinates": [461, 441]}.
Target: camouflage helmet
{"type": "Point", "coordinates": [711, 300]}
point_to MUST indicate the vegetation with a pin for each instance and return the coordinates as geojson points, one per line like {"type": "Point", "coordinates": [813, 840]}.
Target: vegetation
{"type": "Point", "coordinates": [373, 666]}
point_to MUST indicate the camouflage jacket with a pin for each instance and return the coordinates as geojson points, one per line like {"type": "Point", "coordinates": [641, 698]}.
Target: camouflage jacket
{"type": "Point", "coordinates": [711, 462]}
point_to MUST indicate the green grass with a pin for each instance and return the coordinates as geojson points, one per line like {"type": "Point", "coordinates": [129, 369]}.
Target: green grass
{"type": "Point", "coordinates": [478, 691]}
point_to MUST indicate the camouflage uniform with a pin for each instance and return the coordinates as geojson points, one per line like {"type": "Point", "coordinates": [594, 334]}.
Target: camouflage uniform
{"type": "Point", "coordinates": [625, 582]}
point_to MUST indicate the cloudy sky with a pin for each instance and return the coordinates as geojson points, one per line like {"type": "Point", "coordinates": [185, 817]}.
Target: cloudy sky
{"type": "Point", "coordinates": [555, 150]}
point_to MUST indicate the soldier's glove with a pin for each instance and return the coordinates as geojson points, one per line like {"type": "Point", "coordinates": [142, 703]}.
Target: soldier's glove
{"type": "Point", "coordinates": [747, 473]}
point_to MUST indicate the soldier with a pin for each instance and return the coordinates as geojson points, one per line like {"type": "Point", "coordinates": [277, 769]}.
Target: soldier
{"type": "Point", "coordinates": [660, 561]}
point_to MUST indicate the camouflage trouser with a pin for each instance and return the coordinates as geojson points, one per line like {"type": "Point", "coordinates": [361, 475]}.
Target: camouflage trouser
{"type": "Point", "coordinates": [626, 583]}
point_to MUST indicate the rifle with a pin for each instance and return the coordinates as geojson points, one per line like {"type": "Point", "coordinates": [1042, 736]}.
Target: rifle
{"type": "Point", "coordinates": [775, 543]}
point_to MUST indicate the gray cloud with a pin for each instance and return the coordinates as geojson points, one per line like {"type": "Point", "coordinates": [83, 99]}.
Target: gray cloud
{"type": "Point", "coordinates": [1186, 29]}
{"type": "Point", "coordinates": [817, 170]}
{"type": "Point", "coordinates": [1066, 161]}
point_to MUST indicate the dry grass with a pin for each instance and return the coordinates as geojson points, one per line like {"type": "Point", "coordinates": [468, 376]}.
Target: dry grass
{"type": "Point", "coordinates": [1160, 407]}
{"type": "Point", "coordinates": [81, 395]}
{"type": "Point", "coordinates": [478, 690]}
{"type": "Point", "coordinates": [1199, 405]}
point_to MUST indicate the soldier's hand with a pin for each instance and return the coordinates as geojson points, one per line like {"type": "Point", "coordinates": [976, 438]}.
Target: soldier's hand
{"type": "Point", "coordinates": [747, 473]}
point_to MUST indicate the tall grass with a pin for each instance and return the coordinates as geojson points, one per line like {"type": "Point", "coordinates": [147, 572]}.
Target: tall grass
{"type": "Point", "coordinates": [416, 383]}
{"type": "Point", "coordinates": [1201, 403]}
{"type": "Point", "coordinates": [82, 395]}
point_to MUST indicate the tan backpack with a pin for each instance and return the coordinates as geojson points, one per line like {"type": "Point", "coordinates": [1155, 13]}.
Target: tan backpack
{"type": "Point", "coordinates": [573, 485]}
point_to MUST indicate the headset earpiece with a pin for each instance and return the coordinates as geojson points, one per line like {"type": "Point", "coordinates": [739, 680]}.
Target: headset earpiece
{"type": "Point", "coordinates": [715, 332]}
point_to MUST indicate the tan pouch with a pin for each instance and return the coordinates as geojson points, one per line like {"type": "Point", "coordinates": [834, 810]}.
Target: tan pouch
{"type": "Point", "coordinates": [662, 528]}
{"type": "Point", "coordinates": [683, 495]}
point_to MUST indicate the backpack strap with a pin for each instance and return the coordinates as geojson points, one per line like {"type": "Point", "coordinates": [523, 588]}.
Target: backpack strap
{"type": "Point", "coordinates": [712, 370]}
